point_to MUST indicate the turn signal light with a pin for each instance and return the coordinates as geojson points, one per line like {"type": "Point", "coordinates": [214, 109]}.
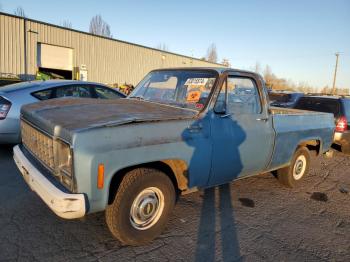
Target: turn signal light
{"type": "Point", "coordinates": [100, 176]}
{"type": "Point", "coordinates": [342, 124]}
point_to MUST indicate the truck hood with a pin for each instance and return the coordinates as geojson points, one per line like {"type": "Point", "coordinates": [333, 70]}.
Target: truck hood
{"type": "Point", "coordinates": [69, 115]}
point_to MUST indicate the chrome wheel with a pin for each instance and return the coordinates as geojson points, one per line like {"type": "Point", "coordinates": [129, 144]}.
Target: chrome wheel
{"type": "Point", "coordinates": [299, 167]}
{"type": "Point", "coordinates": [147, 208]}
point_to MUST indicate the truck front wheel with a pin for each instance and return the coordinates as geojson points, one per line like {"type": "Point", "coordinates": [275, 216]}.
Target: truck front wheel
{"type": "Point", "coordinates": [291, 175]}
{"type": "Point", "coordinates": [142, 205]}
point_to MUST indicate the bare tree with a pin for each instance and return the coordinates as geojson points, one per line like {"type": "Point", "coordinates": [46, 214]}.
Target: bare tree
{"type": "Point", "coordinates": [268, 76]}
{"type": "Point", "coordinates": [162, 46]}
{"type": "Point", "coordinates": [66, 23]}
{"type": "Point", "coordinates": [226, 62]}
{"type": "Point", "coordinates": [276, 83]}
{"type": "Point", "coordinates": [99, 27]}
{"type": "Point", "coordinates": [257, 68]}
{"type": "Point", "coordinates": [326, 90]}
{"type": "Point", "coordinates": [19, 11]}
{"type": "Point", "coordinates": [212, 54]}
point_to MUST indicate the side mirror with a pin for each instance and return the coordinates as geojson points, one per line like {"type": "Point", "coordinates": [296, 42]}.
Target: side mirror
{"type": "Point", "coordinates": [220, 107]}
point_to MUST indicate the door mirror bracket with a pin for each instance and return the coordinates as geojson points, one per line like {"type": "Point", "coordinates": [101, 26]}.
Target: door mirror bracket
{"type": "Point", "coordinates": [220, 107]}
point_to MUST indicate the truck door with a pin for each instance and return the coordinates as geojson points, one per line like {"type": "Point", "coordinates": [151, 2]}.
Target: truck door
{"type": "Point", "coordinates": [242, 134]}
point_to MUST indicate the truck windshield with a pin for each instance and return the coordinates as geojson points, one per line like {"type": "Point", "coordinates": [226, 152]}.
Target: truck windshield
{"type": "Point", "coordinates": [182, 88]}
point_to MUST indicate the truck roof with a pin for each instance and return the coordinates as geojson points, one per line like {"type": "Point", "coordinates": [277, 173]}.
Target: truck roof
{"type": "Point", "coordinates": [220, 70]}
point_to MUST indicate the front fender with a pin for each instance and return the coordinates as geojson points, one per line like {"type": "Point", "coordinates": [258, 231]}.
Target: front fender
{"type": "Point", "coordinates": [132, 145]}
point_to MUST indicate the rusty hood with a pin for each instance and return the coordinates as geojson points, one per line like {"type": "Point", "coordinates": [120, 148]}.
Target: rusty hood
{"type": "Point", "coordinates": [76, 114]}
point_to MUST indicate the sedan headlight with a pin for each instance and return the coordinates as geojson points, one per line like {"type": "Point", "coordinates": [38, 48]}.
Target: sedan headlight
{"type": "Point", "coordinates": [5, 106]}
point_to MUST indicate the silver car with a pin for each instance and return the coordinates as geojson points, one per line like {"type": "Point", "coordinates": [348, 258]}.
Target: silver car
{"type": "Point", "coordinates": [12, 97]}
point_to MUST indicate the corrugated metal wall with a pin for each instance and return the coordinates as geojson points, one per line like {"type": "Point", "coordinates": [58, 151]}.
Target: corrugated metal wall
{"type": "Point", "coordinates": [107, 61]}
{"type": "Point", "coordinates": [11, 45]}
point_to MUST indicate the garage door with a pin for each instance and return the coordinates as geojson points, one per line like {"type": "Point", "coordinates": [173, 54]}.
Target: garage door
{"type": "Point", "coordinates": [55, 57]}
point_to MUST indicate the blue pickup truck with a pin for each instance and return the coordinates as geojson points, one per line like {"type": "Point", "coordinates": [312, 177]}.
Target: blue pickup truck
{"type": "Point", "coordinates": [179, 131]}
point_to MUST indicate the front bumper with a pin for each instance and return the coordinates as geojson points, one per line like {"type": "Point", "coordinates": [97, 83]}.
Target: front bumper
{"type": "Point", "coordinates": [64, 205]}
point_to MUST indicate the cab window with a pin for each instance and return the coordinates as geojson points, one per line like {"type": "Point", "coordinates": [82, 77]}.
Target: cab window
{"type": "Point", "coordinates": [242, 96]}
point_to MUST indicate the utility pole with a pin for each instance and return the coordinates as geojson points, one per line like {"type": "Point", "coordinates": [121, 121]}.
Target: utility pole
{"type": "Point", "coordinates": [335, 72]}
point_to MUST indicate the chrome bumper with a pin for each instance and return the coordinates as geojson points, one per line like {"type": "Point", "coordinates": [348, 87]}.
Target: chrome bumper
{"type": "Point", "coordinates": [64, 205]}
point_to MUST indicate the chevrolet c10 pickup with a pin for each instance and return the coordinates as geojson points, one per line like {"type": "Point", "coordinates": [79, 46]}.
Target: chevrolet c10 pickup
{"type": "Point", "coordinates": [179, 131]}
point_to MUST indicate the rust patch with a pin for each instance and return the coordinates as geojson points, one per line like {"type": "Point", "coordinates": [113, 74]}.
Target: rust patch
{"type": "Point", "coordinates": [84, 113]}
{"type": "Point", "coordinates": [179, 168]}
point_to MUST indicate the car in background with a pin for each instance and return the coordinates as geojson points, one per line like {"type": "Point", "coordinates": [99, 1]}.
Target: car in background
{"type": "Point", "coordinates": [340, 107]}
{"type": "Point", "coordinates": [12, 97]}
{"type": "Point", "coordinates": [284, 99]}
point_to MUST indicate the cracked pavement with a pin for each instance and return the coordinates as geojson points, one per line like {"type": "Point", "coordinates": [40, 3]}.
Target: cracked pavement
{"type": "Point", "coordinates": [252, 219]}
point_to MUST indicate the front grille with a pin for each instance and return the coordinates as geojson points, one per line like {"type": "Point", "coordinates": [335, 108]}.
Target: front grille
{"type": "Point", "coordinates": [39, 144]}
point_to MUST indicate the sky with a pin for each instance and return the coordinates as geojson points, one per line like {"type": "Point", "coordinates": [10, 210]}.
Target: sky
{"type": "Point", "coordinates": [298, 39]}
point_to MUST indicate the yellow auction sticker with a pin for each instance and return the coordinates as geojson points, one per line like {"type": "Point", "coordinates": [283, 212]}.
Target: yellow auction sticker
{"type": "Point", "coordinates": [193, 96]}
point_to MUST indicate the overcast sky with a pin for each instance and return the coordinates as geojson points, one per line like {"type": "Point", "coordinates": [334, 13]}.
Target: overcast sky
{"type": "Point", "coordinates": [297, 38]}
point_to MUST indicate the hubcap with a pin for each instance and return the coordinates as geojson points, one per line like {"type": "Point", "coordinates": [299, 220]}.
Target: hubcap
{"type": "Point", "coordinates": [147, 208]}
{"type": "Point", "coordinates": [299, 167]}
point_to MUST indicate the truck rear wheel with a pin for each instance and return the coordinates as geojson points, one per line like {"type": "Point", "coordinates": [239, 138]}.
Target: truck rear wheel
{"type": "Point", "coordinates": [142, 206]}
{"type": "Point", "coordinates": [291, 175]}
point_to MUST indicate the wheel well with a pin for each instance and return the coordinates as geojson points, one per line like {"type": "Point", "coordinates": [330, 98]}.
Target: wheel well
{"type": "Point", "coordinates": [176, 170]}
{"type": "Point", "coordinates": [337, 147]}
{"type": "Point", "coordinates": [312, 145]}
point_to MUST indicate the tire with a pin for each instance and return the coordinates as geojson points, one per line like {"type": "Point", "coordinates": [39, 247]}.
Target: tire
{"type": "Point", "coordinates": [291, 175]}
{"type": "Point", "coordinates": [150, 190]}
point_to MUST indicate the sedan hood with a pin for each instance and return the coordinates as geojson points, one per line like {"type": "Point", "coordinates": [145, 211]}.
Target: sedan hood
{"type": "Point", "coordinates": [74, 114]}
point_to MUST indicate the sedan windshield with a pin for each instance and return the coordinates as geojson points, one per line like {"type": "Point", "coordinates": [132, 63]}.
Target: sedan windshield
{"type": "Point", "coordinates": [182, 88]}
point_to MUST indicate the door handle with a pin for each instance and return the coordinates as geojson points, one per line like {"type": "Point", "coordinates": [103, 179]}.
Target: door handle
{"type": "Point", "coordinates": [225, 115]}
{"type": "Point", "coordinates": [195, 128]}
{"type": "Point", "coordinates": [262, 119]}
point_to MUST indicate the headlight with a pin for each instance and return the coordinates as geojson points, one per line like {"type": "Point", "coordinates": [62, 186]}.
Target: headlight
{"type": "Point", "coordinates": [64, 164]}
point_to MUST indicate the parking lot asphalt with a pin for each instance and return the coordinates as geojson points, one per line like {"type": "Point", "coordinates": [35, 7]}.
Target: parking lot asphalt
{"type": "Point", "coordinates": [252, 219]}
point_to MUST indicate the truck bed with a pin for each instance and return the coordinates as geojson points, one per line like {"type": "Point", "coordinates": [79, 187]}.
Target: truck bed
{"type": "Point", "coordinates": [293, 126]}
